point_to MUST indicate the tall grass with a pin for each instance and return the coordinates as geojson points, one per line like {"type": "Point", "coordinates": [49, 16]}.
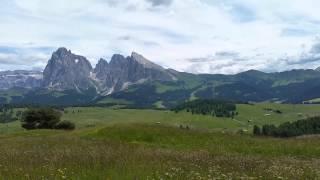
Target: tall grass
{"type": "Point", "coordinates": [154, 152]}
{"type": "Point", "coordinates": [148, 144]}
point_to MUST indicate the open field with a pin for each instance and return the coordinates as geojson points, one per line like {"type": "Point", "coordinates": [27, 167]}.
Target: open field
{"type": "Point", "coordinates": [148, 144]}
{"type": "Point", "coordinates": [249, 115]}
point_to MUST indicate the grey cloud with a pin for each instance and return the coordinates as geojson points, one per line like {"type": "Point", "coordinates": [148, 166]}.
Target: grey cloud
{"type": "Point", "coordinates": [136, 40]}
{"type": "Point", "coordinates": [124, 38]}
{"type": "Point", "coordinates": [305, 58]}
{"type": "Point", "coordinates": [170, 34]}
{"type": "Point", "coordinates": [19, 50]}
{"type": "Point", "coordinates": [160, 2]}
{"type": "Point", "coordinates": [221, 55]}
{"type": "Point", "coordinates": [110, 3]}
{"type": "Point", "coordinates": [315, 49]}
{"type": "Point", "coordinates": [24, 57]}
{"type": "Point", "coordinates": [22, 60]}
{"type": "Point", "coordinates": [228, 62]}
{"type": "Point", "coordinates": [227, 67]}
{"type": "Point", "coordinates": [132, 6]}
{"type": "Point", "coordinates": [296, 32]}
{"type": "Point", "coordinates": [227, 54]}
{"type": "Point", "coordinates": [200, 60]}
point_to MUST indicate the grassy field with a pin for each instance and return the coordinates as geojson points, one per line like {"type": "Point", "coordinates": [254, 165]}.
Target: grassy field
{"type": "Point", "coordinates": [249, 115]}
{"type": "Point", "coordinates": [149, 144]}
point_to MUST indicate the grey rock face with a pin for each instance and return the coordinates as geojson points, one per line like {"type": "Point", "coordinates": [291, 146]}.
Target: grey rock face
{"type": "Point", "coordinates": [122, 72]}
{"type": "Point", "coordinates": [66, 70]}
{"type": "Point", "coordinates": [20, 78]}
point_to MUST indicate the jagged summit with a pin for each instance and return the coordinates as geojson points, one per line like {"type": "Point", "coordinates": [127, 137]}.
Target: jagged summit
{"type": "Point", "coordinates": [123, 71]}
{"type": "Point", "coordinates": [145, 62]}
{"type": "Point", "coordinates": [101, 60]}
{"type": "Point", "coordinates": [135, 58]}
{"type": "Point", "coordinates": [66, 70]}
{"type": "Point", "coordinates": [63, 50]}
{"type": "Point", "coordinates": [117, 59]}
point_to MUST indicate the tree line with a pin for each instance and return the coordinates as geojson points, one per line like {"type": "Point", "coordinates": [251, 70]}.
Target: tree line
{"type": "Point", "coordinates": [8, 114]}
{"type": "Point", "coordinates": [307, 126]}
{"type": "Point", "coordinates": [217, 108]}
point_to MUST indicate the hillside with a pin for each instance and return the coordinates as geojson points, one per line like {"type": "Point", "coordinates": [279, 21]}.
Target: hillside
{"type": "Point", "coordinates": [294, 86]}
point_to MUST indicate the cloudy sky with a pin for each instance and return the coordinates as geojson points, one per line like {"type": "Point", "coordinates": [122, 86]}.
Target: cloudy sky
{"type": "Point", "coordinates": [199, 36]}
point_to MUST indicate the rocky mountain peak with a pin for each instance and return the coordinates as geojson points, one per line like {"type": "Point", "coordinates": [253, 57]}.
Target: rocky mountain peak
{"type": "Point", "coordinates": [102, 63]}
{"type": "Point", "coordinates": [66, 70]}
{"type": "Point", "coordinates": [101, 60]}
{"type": "Point", "coordinates": [145, 62]}
{"type": "Point", "coordinates": [66, 57]}
{"type": "Point", "coordinates": [118, 59]}
{"type": "Point", "coordinates": [124, 71]}
{"type": "Point", "coordinates": [101, 69]}
{"type": "Point", "coordinates": [62, 51]}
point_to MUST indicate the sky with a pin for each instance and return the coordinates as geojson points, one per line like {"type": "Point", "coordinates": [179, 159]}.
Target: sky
{"type": "Point", "coordinates": [197, 36]}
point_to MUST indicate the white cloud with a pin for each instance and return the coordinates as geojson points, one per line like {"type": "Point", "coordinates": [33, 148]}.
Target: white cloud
{"type": "Point", "coordinates": [266, 34]}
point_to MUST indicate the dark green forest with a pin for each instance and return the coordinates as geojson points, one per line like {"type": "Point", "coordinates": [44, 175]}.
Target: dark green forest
{"type": "Point", "coordinates": [217, 108]}
{"type": "Point", "coordinates": [308, 126]}
{"type": "Point", "coordinates": [7, 114]}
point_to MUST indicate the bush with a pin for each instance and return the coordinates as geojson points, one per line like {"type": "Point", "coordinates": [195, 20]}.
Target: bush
{"type": "Point", "coordinates": [269, 130]}
{"type": "Point", "coordinates": [256, 130]}
{"type": "Point", "coordinates": [44, 118]}
{"type": "Point", "coordinates": [66, 125]}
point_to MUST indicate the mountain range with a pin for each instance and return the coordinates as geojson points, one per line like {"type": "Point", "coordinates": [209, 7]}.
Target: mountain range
{"type": "Point", "coordinates": [70, 79]}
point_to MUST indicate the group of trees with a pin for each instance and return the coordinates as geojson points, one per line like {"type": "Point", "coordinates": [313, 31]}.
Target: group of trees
{"type": "Point", "coordinates": [35, 117]}
{"type": "Point", "coordinates": [44, 118]}
{"type": "Point", "coordinates": [208, 107]}
{"type": "Point", "coordinates": [290, 129]}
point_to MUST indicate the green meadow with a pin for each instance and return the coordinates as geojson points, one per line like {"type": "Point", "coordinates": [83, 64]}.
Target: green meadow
{"type": "Point", "coordinates": [156, 144]}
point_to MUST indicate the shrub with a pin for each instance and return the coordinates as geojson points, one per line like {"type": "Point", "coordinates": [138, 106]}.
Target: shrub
{"type": "Point", "coordinates": [256, 130]}
{"type": "Point", "coordinates": [66, 125]}
{"type": "Point", "coordinates": [269, 130]}
{"type": "Point", "coordinates": [44, 118]}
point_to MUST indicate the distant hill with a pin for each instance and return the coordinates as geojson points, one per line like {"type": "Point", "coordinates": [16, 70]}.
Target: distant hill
{"type": "Point", "coordinates": [293, 86]}
{"type": "Point", "coordinates": [134, 81]}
